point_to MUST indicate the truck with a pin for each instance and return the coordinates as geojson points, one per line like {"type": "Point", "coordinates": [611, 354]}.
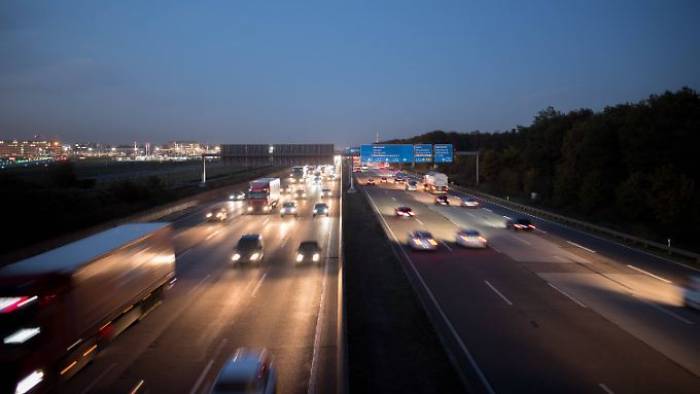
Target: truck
{"type": "Point", "coordinates": [435, 182]}
{"type": "Point", "coordinates": [297, 174]}
{"type": "Point", "coordinates": [58, 309]}
{"type": "Point", "coordinates": [263, 195]}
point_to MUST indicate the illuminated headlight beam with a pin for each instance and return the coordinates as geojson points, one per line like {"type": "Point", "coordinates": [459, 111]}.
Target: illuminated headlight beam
{"type": "Point", "coordinates": [22, 335]}
{"type": "Point", "coordinates": [29, 382]}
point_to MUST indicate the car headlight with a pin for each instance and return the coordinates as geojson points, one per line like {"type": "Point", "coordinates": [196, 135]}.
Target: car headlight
{"type": "Point", "coordinates": [315, 257]}
{"type": "Point", "coordinates": [250, 209]}
{"type": "Point", "coordinates": [292, 209]}
{"type": "Point", "coordinates": [254, 256]}
{"type": "Point", "coordinates": [231, 197]}
{"type": "Point", "coordinates": [235, 257]}
{"type": "Point", "coordinates": [416, 241]}
{"type": "Point", "coordinates": [208, 214]}
{"type": "Point", "coordinates": [325, 210]}
{"type": "Point", "coordinates": [432, 242]}
{"type": "Point", "coordinates": [266, 208]}
{"type": "Point", "coordinates": [300, 257]}
{"type": "Point", "coordinates": [29, 382]}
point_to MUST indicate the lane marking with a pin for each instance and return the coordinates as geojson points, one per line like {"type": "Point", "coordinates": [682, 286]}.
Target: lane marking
{"type": "Point", "coordinates": [447, 246]}
{"type": "Point", "coordinates": [178, 256]}
{"type": "Point", "coordinates": [495, 290]}
{"type": "Point", "coordinates": [453, 331]}
{"type": "Point", "coordinates": [419, 221]}
{"type": "Point", "coordinates": [393, 198]}
{"type": "Point", "coordinates": [265, 221]}
{"type": "Point", "coordinates": [201, 377]}
{"type": "Point", "coordinates": [567, 295]}
{"type": "Point", "coordinates": [219, 348]}
{"type": "Point", "coordinates": [487, 210]}
{"type": "Point", "coordinates": [522, 240]}
{"type": "Point", "coordinates": [210, 236]}
{"type": "Point", "coordinates": [605, 388]}
{"type": "Point", "coordinates": [200, 284]}
{"type": "Point", "coordinates": [311, 389]}
{"type": "Point", "coordinates": [98, 378]}
{"type": "Point", "coordinates": [649, 274]}
{"type": "Point", "coordinates": [542, 231]}
{"type": "Point", "coordinates": [563, 260]}
{"type": "Point", "coordinates": [580, 246]}
{"type": "Point", "coordinates": [507, 217]}
{"type": "Point", "coordinates": [257, 285]}
{"type": "Point", "coordinates": [137, 387]}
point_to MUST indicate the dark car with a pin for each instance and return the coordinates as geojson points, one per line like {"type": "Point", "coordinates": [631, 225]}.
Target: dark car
{"type": "Point", "coordinates": [217, 215]}
{"type": "Point", "coordinates": [383, 180]}
{"type": "Point", "coordinates": [370, 182]}
{"type": "Point", "coordinates": [309, 251]}
{"type": "Point", "coordinates": [321, 208]}
{"type": "Point", "coordinates": [520, 224]}
{"type": "Point", "coordinates": [399, 178]}
{"type": "Point", "coordinates": [248, 371]}
{"type": "Point", "coordinates": [442, 200]}
{"type": "Point", "coordinates": [249, 249]}
{"type": "Point", "coordinates": [404, 212]}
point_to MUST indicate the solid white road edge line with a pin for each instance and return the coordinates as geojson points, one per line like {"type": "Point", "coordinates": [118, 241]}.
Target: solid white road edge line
{"type": "Point", "coordinates": [454, 333]}
{"type": "Point", "coordinates": [257, 285]}
{"type": "Point", "coordinates": [579, 303]}
{"type": "Point", "coordinates": [649, 274]}
{"type": "Point", "coordinates": [98, 378]}
{"type": "Point", "coordinates": [495, 290]}
{"type": "Point", "coordinates": [201, 377]}
{"type": "Point", "coordinates": [605, 388]}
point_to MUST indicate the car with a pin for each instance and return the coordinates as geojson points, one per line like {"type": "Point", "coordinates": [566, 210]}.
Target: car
{"type": "Point", "coordinates": [422, 240]}
{"type": "Point", "coordinates": [289, 208]}
{"type": "Point", "coordinates": [411, 186]}
{"type": "Point", "coordinates": [520, 224]}
{"type": "Point", "coordinates": [249, 249]}
{"type": "Point", "coordinates": [217, 215]}
{"type": "Point", "coordinates": [399, 178]}
{"type": "Point", "coordinates": [404, 212]}
{"type": "Point", "coordinates": [309, 251]}
{"type": "Point", "coordinates": [383, 180]}
{"type": "Point", "coordinates": [470, 239]}
{"type": "Point", "coordinates": [237, 196]}
{"type": "Point", "coordinates": [321, 208]}
{"type": "Point", "coordinates": [370, 182]}
{"type": "Point", "coordinates": [325, 193]}
{"type": "Point", "coordinates": [691, 294]}
{"type": "Point", "coordinates": [248, 371]}
{"type": "Point", "coordinates": [300, 194]}
{"type": "Point", "coordinates": [317, 180]}
{"type": "Point", "coordinates": [469, 202]}
{"type": "Point", "coordinates": [442, 200]}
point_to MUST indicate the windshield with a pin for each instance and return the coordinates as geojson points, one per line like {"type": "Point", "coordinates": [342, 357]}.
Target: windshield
{"type": "Point", "coordinates": [254, 195]}
{"type": "Point", "coordinates": [248, 244]}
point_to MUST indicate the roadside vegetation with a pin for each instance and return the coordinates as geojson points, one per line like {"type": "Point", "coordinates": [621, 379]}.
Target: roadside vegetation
{"type": "Point", "coordinates": [632, 166]}
{"type": "Point", "coordinates": [57, 201]}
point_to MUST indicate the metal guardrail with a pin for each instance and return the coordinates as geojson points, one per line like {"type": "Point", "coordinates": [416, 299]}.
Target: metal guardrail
{"type": "Point", "coordinates": [589, 227]}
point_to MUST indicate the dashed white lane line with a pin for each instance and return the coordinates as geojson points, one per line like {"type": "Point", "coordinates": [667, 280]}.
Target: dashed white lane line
{"type": "Point", "coordinates": [522, 240]}
{"type": "Point", "coordinates": [265, 221]}
{"type": "Point", "coordinates": [419, 222]}
{"type": "Point", "coordinates": [580, 246]}
{"type": "Point", "coordinates": [495, 290]}
{"type": "Point", "coordinates": [201, 377]}
{"type": "Point", "coordinates": [137, 387]}
{"type": "Point", "coordinates": [446, 245]}
{"type": "Point", "coordinates": [257, 285]}
{"type": "Point", "coordinates": [667, 312]}
{"type": "Point", "coordinates": [487, 210]}
{"type": "Point", "coordinates": [393, 198]}
{"type": "Point", "coordinates": [605, 388]}
{"type": "Point", "coordinates": [649, 274]}
{"type": "Point", "coordinates": [579, 303]}
{"type": "Point", "coordinates": [563, 260]}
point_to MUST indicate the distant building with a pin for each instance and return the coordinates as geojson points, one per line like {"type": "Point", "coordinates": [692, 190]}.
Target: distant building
{"type": "Point", "coordinates": [30, 150]}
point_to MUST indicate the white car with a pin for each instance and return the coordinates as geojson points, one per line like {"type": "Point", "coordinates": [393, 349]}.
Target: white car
{"type": "Point", "coordinates": [422, 240]}
{"type": "Point", "coordinates": [289, 208]}
{"type": "Point", "coordinates": [411, 186]}
{"type": "Point", "coordinates": [691, 294]}
{"type": "Point", "coordinates": [237, 196]}
{"type": "Point", "coordinates": [469, 202]}
{"type": "Point", "coordinates": [248, 371]}
{"type": "Point", "coordinates": [321, 209]}
{"type": "Point", "coordinates": [470, 239]}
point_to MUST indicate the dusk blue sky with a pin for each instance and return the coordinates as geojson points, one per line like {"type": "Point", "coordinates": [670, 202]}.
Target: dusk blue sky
{"type": "Point", "coordinates": [327, 71]}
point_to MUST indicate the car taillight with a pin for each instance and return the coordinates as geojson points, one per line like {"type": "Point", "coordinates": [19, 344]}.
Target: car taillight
{"type": "Point", "coordinates": [11, 304]}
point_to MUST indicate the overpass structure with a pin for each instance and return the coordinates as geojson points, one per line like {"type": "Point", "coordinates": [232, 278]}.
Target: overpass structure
{"type": "Point", "coordinates": [278, 154]}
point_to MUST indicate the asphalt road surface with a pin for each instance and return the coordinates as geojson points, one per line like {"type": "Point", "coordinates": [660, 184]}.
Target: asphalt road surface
{"type": "Point", "coordinates": [553, 310]}
{"type": "Point", "coordinates": [214, 308]}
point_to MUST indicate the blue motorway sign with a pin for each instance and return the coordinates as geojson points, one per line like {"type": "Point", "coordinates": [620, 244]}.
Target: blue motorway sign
{"type": "Point", "coordinates": [443, 153]}
{"type": "Point", "coordinates": [390, 153]}
{"type": "Point", "coordinates": [352, 151]}
{"type": "Point", "coordinates": [423, 153]}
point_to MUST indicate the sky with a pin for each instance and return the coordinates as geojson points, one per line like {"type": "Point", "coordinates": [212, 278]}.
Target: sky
{"type": "Point", "coordinates": [328, 71]}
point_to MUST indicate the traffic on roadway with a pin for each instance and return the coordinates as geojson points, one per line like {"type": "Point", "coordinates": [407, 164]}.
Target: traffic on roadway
{"type": "Point", "coordinates": [527, 303]}
{"type": "Point", "coordinates": [239, 295]}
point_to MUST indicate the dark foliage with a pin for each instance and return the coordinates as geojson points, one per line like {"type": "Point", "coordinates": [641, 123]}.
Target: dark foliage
{"type": "Point", "coordinates": [631, 166]}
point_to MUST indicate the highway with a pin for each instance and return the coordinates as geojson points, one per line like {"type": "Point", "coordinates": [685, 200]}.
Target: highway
{"type": "Point", "coordinates": [215, 308]}
{"type": "Point", "coordinates": [554, 310]}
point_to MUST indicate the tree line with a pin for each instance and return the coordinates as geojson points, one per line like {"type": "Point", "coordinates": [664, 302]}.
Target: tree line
{"type": "Point", "coordinates": [631, 166]}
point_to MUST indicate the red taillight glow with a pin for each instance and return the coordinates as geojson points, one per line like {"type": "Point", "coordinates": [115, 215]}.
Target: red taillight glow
{"type": "Point", "coordinates": [11, 304]}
